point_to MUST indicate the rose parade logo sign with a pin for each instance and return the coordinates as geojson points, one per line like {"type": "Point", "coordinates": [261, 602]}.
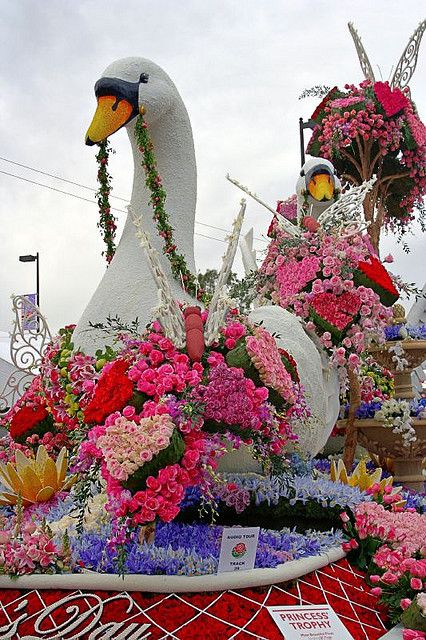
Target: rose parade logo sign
{"type": "Point", "coordinates": [238, 548]}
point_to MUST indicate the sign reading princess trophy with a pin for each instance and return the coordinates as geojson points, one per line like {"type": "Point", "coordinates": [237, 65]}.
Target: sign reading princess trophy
{"type": "Point", "coordinates": [238, 548]}
{"type": "Point", "coordinates": [311, 622]}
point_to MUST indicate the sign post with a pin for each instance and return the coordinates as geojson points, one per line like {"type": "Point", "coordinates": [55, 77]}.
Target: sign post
{"type": "Point", "coordinates": [310, 622]}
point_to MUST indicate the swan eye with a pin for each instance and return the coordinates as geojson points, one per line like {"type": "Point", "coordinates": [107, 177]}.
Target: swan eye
{"type": "Point", "coordinates": [302, 173]}
{"type": "Point", "coordinates": [144, 78]}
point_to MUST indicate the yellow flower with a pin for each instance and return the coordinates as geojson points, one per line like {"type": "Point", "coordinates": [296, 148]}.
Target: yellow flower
{"type": "Point", "coordinates": [360, 477]}
{"type": "Point", "coordinates": [34, 480]}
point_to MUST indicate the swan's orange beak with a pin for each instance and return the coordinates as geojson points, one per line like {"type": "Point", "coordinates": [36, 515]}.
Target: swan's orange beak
{"type": "Point", "coordinates": [321, 187]}
{"type": "Point", "coordinates": [111, 114]}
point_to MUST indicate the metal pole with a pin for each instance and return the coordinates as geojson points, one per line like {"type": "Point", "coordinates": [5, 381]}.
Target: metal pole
{"type": "Point", "coordinates": [38, 288]}
{"type": "Point", "coordinates": [302, 142]}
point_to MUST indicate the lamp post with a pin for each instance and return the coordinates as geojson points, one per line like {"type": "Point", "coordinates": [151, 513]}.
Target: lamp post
{"type": "Point", "coordinates": [310, 124]}
{"type": "Point", "coordinates": [36, 259]}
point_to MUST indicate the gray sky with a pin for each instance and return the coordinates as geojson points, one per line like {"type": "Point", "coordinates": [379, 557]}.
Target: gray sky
{"type": "Point", "coordinates": [239, 65]}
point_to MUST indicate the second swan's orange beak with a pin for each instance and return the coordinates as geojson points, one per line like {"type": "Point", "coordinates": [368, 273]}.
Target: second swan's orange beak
{"type": "Point", "coordinates": [321, 187]}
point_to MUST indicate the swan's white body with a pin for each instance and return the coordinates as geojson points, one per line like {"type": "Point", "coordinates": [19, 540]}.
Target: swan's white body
{"type": "Point", "coordinates": [127, 288]}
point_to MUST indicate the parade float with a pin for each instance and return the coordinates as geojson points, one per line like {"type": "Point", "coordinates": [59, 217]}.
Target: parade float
{"type": "Point", "coordinates": [166, 422]}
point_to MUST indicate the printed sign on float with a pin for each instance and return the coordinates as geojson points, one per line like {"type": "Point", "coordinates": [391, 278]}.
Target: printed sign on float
{"type": "Point", "coordinates": [238, 548]}
{"type": "Point", "coordinates": [310, 622]}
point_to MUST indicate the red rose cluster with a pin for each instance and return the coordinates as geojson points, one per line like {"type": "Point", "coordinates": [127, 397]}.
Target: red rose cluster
{"type": "Point", "coordinates": [113, 392]}
{"type": "Point", "coordinates": [26, 418]}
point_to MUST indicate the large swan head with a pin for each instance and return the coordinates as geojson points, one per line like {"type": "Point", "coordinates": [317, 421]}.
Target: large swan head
{"type": "Point", "coordinates": [126, 88]}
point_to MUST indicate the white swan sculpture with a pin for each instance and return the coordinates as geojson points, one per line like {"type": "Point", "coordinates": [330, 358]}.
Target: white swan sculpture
{"type": "Point", "coordinates": [128, 288]}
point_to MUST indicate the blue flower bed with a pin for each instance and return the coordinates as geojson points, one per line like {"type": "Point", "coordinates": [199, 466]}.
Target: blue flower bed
{"type": "Point", "coordinates": [402, 331]}
{"type": "Point", "coordinates": [367, 410]}
{"type": "Point", "coordinates": [181, 549]}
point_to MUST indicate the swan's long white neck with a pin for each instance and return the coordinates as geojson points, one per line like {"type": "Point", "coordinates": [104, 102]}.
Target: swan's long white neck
{"type": "Point", "coordinates": [127, 289]}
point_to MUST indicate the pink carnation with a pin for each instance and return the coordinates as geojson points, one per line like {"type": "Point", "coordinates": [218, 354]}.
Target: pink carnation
{"type": "Point", "coordinates": [264, 354]}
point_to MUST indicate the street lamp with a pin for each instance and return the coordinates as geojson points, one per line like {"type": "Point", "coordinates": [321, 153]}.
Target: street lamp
{"type": "Point", "coordinates": [36, 259]}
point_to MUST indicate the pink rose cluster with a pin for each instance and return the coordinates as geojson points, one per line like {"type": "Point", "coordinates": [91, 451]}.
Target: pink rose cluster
{"type": "Point", "coordinates": [405, 530]}
{"type": "Point", "coordinates": [127, 441]}
{"type": "Point", "coordinates": [128, 444]}
{"type": "Point", "coordinates": [288, 208]}
{"type": "Point", "coordinates": [263, 352]}
{"type": "Point", "coordinates": [33, 551]}
{"type": "Point", "coordinates": [340, 127]}
{"type": "Point", "coordinates": [293, 276]}
{"type": "Point", "coordinates": [394, 563]}
{"type": "Point", "coordinates": [336, 310]}
{"type": "Point", "coordinates": [164, 493]}
{"type": "Point", "coordinates": [413, 634]}
{"type": "Point", "coordinates": [161, 498]}
{"type": "Point", "coordinates": [231, 398]}
{"type": "Point", "coordinates": [160, 368]}
{"type": "Point", "coordinates": [397, 568]}
{"type": "Point", "coordinates": [313, 277]}
{"type": "Point", "coordinates": [232, 332]}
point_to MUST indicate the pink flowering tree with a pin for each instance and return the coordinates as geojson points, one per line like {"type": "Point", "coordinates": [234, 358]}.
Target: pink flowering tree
{"type": "Point", "coordinates": [372, 129]}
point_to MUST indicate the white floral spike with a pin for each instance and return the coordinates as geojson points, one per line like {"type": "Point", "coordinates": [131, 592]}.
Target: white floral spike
{"type": "Point", "coordinates": [248, 254]}
{"type": "Point", "coordinates": [220, 303]}
{"type": "Point", "coordinates": [346, 211]}
{"type": "Point", "coordinates": [291, 229]}
{"type": "Point", "coordinates": [168, 311]}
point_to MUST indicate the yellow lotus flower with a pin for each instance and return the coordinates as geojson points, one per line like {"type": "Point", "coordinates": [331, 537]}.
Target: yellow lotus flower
{"type": "Point", "coordinates": [34, 480]}
{"type": "Point", "coordinates": [360, 477]}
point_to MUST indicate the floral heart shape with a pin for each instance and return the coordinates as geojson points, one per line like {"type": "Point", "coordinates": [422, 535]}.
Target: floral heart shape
{"type": "Point", "coordinates": [392, 100]}
{"type": "Point", "coordinates": [293, 275]}
{"type": "Point", "coordinates": [338, 311]}
{"type": "Point", "coordinates": [378, 274]}
{"type": "Point", "coordinates": [373, 274]}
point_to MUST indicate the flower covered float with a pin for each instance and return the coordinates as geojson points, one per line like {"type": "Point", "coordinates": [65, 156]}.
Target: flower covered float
{"type": "Point", "coordinates": [149, 422]}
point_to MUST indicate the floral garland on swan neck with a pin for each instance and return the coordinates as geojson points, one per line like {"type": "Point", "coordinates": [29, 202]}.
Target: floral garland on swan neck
{"type": "Point", "coordinates": [107, 222]}
{"type": "Point", "coordinates": [179, 268]}
{"type": "Point", "coordinates": [153, 181]}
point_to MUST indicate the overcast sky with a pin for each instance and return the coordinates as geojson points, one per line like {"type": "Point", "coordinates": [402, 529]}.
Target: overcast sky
{"type": "Point", "coordinates": [239, 66]}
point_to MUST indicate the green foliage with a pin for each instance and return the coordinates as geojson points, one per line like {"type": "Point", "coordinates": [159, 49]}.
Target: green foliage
{"type": "Point", "coordinates": [107, 222]}
{"type": "Point", "coordinates": [318, 91]}
{"type": "Point", "coordinates": [178, 265]}
{"type": "Point", "coordinates": [88, 484]}
{"type": "Point", "coordinates": [114, 325]}
{"type": "Point", "coordinates": [242, 291]}
{"type": "Point", "coordinates": [310, 515]}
